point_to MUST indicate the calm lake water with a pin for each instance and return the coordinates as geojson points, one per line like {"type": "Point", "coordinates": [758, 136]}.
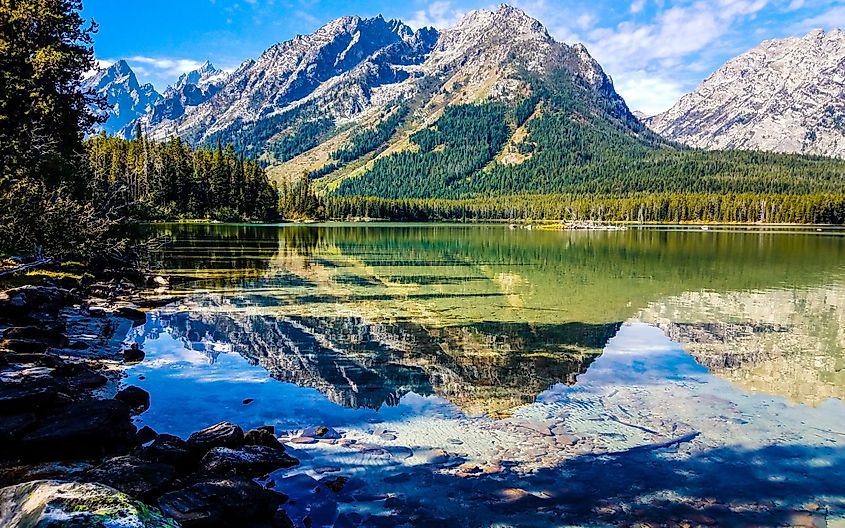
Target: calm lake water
{"type": "Point", "coordinates": [481, 376]}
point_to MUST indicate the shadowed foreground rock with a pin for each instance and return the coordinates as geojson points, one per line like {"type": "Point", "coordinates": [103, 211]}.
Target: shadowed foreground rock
{"type": "Point", "coordinates": [169, 449]}
{"type": "Point", "coordinates": [53, 504]}
{"type": "Point", "coordinates": [133, 476]}
{"type": "Point", "coordinates": [88, 428]}
{"type": "Point", "coordinates": [247, 461]}
{"type": "Point", "coordinates": [221, 503]}
{"type": "Point", "coordinates": [223, 434]}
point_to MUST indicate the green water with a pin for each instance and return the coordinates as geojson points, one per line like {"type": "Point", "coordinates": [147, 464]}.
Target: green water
{"type": "Point", "coordinates": [472, 371]}
{"type": "Point", "coordinates": [744, 303]}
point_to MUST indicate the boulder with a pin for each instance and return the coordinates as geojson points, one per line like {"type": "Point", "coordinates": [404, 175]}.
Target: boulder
{"type": "Point", "coordinates": [78, 376]}
{"type": "Point", "coordinates": [12, 427]}
{"type": "Point", "coordinates": [223, 434]}
{"type": "Point", "coordinates": [38, 393]}
{"type": "Point", "coordinates": [25, 346]}
{"type": "Point", "coordinates": [248, 461]}
{"type": "Point", "coordinates": [136, 398]}
{"type": "Point", "coordinates": [169, 449]}
{"type": "Point", "coordinates": [20, 301]}
{"type": "Point", "coordinates": [223, 503]}
{"type": "Point", "coordinates": [64, 471]}
{"type": "Point", "coordinates": [54, 504]}
{"type": "Point", "coordinates": [43, 360]}
{"type": "Point", "coordinates": [133, 476]}
{"type": "Point", "coordinates": [157, 281]}
{"type": "Point", "coordinates": [262, 436]}
{"type": "Point", "coordinates": [84, 429]}
{"type": "Point", "coordinates": [133, 314]}
{"type": "Point", "coordinates": [146, 434]}
{"type": "Point", "coordinates": [133, 354]}
{"type": "Point", "coordinates": [52, 335]}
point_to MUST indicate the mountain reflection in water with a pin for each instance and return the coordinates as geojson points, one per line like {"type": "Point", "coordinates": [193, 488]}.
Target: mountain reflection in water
{"type": "Point", "coordinates": [489, 318]}
{"type": "Point", "coordinates": [484, 369]}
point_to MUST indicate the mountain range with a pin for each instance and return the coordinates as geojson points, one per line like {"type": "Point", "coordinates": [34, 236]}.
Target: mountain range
{"type": "Point", "coordinates": [784, 95]}
{"type": "Point", "coordinates": [491, 105]}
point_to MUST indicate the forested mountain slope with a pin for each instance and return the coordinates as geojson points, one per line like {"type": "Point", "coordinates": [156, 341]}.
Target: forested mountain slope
{"type": "Point", "coordinates": [492, 106]}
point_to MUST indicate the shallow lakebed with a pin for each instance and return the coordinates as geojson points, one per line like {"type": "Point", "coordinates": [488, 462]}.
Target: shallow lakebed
{"type": "Point", "coordinates": [479, 375]}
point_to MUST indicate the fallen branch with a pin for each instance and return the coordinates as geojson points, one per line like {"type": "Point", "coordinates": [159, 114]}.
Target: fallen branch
{"type": "Point", "coordinates": [24, 267]}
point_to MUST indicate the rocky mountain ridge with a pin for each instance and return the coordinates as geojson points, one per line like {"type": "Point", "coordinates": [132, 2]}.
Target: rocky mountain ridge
{"type": "Point", "coordinates": [126, 98]}
{"type": "Point", "coordinates": [785, 95]}
{"type": "Point", "coordinates": [305, 98]}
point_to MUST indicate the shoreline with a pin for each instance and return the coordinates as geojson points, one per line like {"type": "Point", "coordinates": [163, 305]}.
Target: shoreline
{"type": "Point", "coordinates": [383, 467]}
{"type": "Point", "coordinates": [70, 450]}
{"type": "Point", "coordinates": [497, 222]}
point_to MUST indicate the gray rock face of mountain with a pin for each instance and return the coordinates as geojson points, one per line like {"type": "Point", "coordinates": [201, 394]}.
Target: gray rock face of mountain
{"type": "Point", "coordinates": [353, 67]}
{"type": "Point", "coordinates": [126, 98]}
{"type": "Point", "coordinates": [338, 66]}
{"type": "Point", "coordinates": [192, 89]}
{"type": "Point", "coordinates": [785, 95]}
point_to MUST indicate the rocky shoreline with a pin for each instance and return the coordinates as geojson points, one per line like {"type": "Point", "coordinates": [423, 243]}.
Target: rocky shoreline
{"type": "Point", "coordinates": [70, 453]}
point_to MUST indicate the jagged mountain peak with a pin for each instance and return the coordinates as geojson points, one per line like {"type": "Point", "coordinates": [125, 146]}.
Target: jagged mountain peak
{"type": "Point", "coordinates": [505, 17]}
{"type": "Point", "coordinates": [121, 67]}
{"type": "Point", "coordinates": [126, 98]}
{"type": "Point", "coordinates": [354, 70]}
{"type": "Point", "coordinates": [117, 73]}
{"type": "Point", "coordinates": [784, 95]}
{"type": "Point", "coordinates": [206, 74]}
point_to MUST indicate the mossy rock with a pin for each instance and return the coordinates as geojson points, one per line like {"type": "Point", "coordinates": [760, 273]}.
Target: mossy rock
{"type": "Point", "coordinates": [54, 504]}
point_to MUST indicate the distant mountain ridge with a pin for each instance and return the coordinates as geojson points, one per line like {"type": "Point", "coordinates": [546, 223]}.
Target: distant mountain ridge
{"type": "Point", "coordinates": [492, 106]}
{"type": "Point", "coordinates": [785, 95]}
{"type": "Point", "coordinates": [126, 98]}
{"type": "Point", "coordinates": [355, 68]}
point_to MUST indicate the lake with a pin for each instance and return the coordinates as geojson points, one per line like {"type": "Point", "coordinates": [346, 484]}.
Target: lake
{"type": "Point", "coordinates": [477, 375]}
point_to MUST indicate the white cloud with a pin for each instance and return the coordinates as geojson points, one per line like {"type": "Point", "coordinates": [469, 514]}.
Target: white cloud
{"type": "Point", "coordinates": [440, 14]}
{"type": "Point", "coordinates": [832, 18]}
{"type": "Point", "coordinates": [102, 64]}
{"type": "Point", "coordinates": [649, 93]}
{"type": "Point", "coordinates": [637, 6]}
{"type": "Point", "coordinates": [163, 66]}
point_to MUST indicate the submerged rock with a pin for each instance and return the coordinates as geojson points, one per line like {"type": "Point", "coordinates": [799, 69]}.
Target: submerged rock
{"type": "Point", "coordinates": [89, 428]}
{"type": "Point", "coordinates": [251, 460]}
{"type": "Point", "coordinates": [233, 503]}
{"type": "Point", "coordinates": [133, 476]}
{"type": "Point", "coordinates": [223, 434]}
{"type": "Point", "coordinates": [322, 432]}
{"type": "Point", "coordinates": [263, 436]}
{"type": "Point", "coordinates": [136, 398]}
{"type": "Point", "coordinates": [133, 354]}
{"type": "Point", "coordinates": [54, 504]}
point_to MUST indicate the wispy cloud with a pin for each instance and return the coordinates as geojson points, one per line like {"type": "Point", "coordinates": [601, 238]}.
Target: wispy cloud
{"type": "Point", "coordinates": [165, 66]}
{"type": "Point", "coordinates": [829, 19]}
{"type": "Point", "coordinates": [440, 14]}
{"type": "Point", "coordinates": [649, 93]}
{"type": "Point", "coordinates": [654, 50]}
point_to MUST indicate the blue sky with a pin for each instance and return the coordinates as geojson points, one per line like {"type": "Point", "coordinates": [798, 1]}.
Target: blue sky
{"type": "Point", "coordinates": [655, 50]}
